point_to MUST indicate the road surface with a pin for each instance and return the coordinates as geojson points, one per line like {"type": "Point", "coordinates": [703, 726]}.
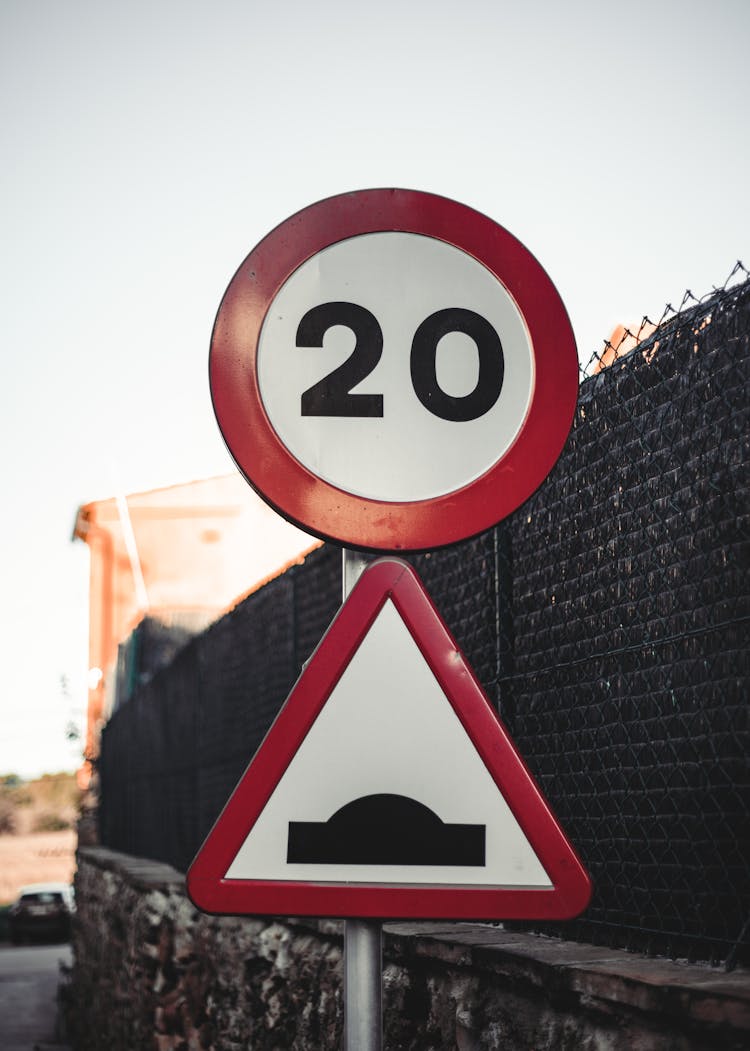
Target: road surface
{"type": "Point", "coordinates": [29, 977]}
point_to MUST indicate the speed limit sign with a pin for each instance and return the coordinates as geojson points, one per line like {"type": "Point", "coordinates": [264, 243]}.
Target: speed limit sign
{"type": "Point", "coordinates": [392, 370]}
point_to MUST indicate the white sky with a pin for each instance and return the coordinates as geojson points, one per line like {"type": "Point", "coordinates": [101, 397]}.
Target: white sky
{"type": "Point", "coordinates": [147, 147]}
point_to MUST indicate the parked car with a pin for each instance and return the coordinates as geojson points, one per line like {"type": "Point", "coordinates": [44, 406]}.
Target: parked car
{"type": "Point", "coordinates": [42, 910]}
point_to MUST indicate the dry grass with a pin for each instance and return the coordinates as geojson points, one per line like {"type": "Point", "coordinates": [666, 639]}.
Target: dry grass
{"type": "Point", "coordinates": [36, 858]}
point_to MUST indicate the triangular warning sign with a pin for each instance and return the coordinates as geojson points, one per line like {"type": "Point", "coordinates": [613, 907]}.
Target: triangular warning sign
{"type": "Point", "coordinates": [388, 787]}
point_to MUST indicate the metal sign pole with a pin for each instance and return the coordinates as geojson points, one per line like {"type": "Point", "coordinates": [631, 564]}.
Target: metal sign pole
{"type": "Point", "coordinates": [363, 983]}
{"type": "Point", "coordinates": [363, 953]}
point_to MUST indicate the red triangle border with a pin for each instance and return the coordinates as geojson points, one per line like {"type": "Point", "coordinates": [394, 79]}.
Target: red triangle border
{"type": "Point", "coordinates": [394, 579]}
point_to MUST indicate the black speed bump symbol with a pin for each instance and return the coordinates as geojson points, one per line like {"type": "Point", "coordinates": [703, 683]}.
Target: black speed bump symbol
{"type": "Point", "coordinates": [385, 829]}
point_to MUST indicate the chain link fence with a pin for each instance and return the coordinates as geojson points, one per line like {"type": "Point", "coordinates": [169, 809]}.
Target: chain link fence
{"type": "Point", "coordinates": [607, 618]}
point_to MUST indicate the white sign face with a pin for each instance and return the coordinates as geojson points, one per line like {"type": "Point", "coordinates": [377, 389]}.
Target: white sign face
{"type": "Point", "coordinates": [388, 737]}
{"type": "Point", "coordinates": [395, 366]}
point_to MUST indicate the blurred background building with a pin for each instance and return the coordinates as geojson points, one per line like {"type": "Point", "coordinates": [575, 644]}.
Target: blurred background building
{"type": "Point", "coordinates": [163, 565]}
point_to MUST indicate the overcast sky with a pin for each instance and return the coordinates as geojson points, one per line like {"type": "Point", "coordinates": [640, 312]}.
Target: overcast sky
{"type": "Point", "coordinates": [149, 146]}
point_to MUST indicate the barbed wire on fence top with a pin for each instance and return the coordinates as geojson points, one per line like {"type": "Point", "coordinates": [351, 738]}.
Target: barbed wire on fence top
{"type": "Point", "coordinates": [626, 338]}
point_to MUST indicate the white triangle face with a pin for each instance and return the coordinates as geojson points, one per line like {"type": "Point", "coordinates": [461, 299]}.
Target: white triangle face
{"type": "Point", "coordinates": [388, 729]}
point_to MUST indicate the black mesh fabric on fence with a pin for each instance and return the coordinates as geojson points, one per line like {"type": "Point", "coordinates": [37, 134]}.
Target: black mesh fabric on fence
{"type": "Point", "coordinates": [163, 785]}
{"type": "Point", "coordinates": [607, 618]}
{"type": "Point", "coordinates": [630, 617]}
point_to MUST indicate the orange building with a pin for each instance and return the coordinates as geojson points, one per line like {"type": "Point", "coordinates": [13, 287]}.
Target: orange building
{"type": "Point", "coordinates": [180, 556]}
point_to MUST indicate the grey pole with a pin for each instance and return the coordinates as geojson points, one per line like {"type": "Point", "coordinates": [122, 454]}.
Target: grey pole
{"type": "Point", "coordinates": [363, 985]}
{"type": "Point", "coordinates": [363, 952]}
{"type": "Point", "coordinates": [353, 564]}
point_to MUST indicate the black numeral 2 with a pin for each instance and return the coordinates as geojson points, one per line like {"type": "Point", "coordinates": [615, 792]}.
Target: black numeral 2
{"type": "Point", "coordinates": [332, 396]}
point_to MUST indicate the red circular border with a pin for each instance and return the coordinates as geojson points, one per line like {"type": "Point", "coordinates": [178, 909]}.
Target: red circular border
{"type": "Point", "coordinates": [314, 504]}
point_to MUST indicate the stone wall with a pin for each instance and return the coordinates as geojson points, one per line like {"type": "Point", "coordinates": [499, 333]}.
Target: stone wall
{"type": "Point", "coordinates": [153, 974]}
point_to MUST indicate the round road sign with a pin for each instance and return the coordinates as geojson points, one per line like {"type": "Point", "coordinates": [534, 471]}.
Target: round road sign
{"type": "Point", "coordinates": [392, 370]}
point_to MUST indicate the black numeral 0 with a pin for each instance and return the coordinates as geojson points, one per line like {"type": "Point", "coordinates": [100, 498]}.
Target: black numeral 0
{"type": "Point", "coordinates": [424, 365]}
{"type": "Point", "coordinates": [332, 395]}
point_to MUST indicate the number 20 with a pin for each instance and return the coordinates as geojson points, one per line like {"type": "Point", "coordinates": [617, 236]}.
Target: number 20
{"type": "Point", "coordinates": [332, 395]}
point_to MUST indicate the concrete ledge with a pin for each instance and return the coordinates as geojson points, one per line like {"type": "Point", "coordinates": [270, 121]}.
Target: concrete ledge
{"type": "Point", "coordinates": [609, 976]}
{"type": "Point", "coordinates": [143, 873]}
